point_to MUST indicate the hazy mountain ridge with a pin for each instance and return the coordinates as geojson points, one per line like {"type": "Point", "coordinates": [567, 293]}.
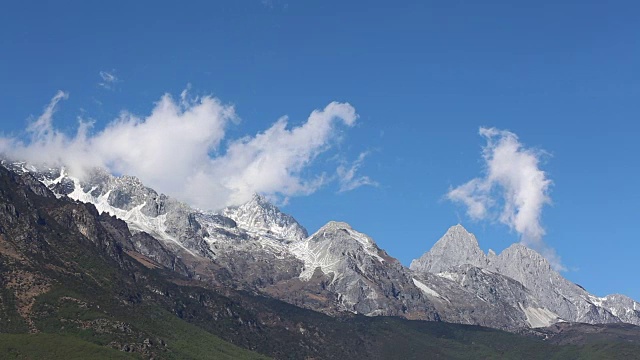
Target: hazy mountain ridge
{"type": "Point", "coordinates": [339, 269]}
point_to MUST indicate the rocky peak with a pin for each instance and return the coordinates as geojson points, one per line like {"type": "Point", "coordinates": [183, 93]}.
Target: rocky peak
{"type": "Point", "coordinates": [364, 278]}
{"type": "Point", "coordinates": [259, 200]}
{"type": "Point", "coordinates": [260, 216]}
{"type": "Point", "coordinates": [456, 247]}
{"type": "Point", "coordinates": [458, 237]}
{"type": "Point", "coordinates": [344, 235]}
{"type": "Point", "coordinates": [335, 226]}
{"type": "Point", "coordinates": [529, 268]}
{"type": "Point", "coordinates": [524, 257]}
{"type": "Point", "coordinates": [334, 248]}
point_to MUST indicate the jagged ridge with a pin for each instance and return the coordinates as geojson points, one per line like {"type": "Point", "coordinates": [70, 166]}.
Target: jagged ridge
{"type": "Point", "coordinates": [558, 295]}
{"type": "Point", "coordinates": [340, 269]}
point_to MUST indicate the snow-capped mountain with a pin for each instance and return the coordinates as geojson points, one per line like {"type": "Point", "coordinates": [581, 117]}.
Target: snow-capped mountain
{"type": "Point", "coordinates": [257, 247]}
{"type": "Point", "coordinates": [265, 219]}
{"type": "Point", "coordinates": [558, 295]}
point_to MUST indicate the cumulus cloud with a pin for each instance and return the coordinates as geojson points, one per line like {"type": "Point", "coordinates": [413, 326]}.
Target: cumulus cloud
{"type": "Point", "coordinates": [513, 189]}
{"type": "Point", "coordinates": [348, 175]}
{"type": "Point", "coordinates": [180, 149]}
{"type": "Point", "coordinates": [109, 80]}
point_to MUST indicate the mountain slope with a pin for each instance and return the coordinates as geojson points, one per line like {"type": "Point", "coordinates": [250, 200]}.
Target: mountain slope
{"type": "Point", "coordinates": [66, 271]}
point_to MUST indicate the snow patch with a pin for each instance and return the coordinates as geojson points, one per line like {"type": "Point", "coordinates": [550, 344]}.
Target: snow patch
{"type": "Point", "coordinates": [597, 301]}
{"type": "Point", "coordinates": [449, 276]}
{"type": "Point", "coordinates": [48, 183]}
{"type": "Point", "coordinates": [425, 289]}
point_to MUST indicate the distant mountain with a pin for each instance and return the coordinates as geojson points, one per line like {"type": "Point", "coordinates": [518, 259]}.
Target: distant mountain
{"type": "Point", "coordinates": [558, 296]}
{"type": "Point", "coordinates": [76, 283]}
{"type": "Point", "coordinates": [338, 270]}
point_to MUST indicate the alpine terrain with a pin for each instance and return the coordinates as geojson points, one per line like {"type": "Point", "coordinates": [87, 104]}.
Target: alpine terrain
{"type": "Point", "coordinates": [252, 277]}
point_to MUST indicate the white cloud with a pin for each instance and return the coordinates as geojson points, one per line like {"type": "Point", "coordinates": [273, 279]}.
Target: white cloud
{"type": "Point", "coordinates": [473, 196]}
{"type": "Point", "coordinates": [514, 190]}
{"type": "Point", "coordinates": [42, 128]}
{"type": "Point", "coordinates": [109, 79]}
{"type": "Point", "coordinates": [178, 149]}
{"type": "Point", "coordinates": [272, 161]}
{"type": "Point", "coordinates": [347, 175]}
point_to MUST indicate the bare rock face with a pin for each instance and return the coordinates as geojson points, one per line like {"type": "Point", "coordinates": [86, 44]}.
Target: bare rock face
{"type": "Point", "coordinates": [148, 246]}
{"type": "Point", "coordinates": [568, 300]}
{"type": "Point", "coordinates": [623, 307]}
{"type": "Point", "coordinates": [470, 295]}
{"type": "Point", "coordinates": [456, 247]}
{"type": "Point", "coordinates": [365, 279]}
{"type": "Point", "coordinates": [556, 296]}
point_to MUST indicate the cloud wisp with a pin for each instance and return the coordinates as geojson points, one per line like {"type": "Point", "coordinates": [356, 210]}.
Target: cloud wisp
{"type": "Point", "coordinates": [180, 149]}
{"type": "Point", "coordinates": [348, 175]}
{"type": "Point", "coordinates": [108, 80]}
{"type": "Point", "coordinates": [513, 190]}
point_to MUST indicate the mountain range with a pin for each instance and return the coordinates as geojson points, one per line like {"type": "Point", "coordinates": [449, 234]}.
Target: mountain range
{"type": "Point", "coordinates": [255, 251]}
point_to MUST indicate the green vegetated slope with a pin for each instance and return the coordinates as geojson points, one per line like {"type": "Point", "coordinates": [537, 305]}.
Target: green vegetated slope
{"type": "Point", "coordinates": [53, 346]}
{"type": "Point", "coordinates": [420, 340]}
{"type": "Point", "coordinates": [66, 278]}
{"type": "Point", "coordinates": [146, 331]}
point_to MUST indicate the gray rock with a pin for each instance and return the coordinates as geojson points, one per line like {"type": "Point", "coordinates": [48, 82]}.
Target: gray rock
{"type": "Point", "coordinates": [364, 278]}
{"type": "Point", "coordinates": [555, 293]}
{"type": "Point", "coordinates": [456, 247]}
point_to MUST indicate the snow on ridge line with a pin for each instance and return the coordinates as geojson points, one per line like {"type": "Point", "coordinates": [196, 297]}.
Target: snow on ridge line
{"type": "Point", "coordinates": [367, 244]}
{"type": "Point", "coordinates": [312, 256]}
{"type": "Point", "coordinates": [134, 218]}
{"type": "Point", "coordinates": [48, 183]}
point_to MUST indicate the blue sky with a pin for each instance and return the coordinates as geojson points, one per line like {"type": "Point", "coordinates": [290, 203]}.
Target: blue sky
{"type": "Point", "coordinates": [423, 77]}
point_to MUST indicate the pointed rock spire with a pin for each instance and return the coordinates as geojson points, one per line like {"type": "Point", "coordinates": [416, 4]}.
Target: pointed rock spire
{"type": "Point", "coordinates": [456, 247]}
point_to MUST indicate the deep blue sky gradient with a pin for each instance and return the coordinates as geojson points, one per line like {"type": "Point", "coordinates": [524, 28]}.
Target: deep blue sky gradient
{"type": "Point", "coordinates": [423, 75]}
